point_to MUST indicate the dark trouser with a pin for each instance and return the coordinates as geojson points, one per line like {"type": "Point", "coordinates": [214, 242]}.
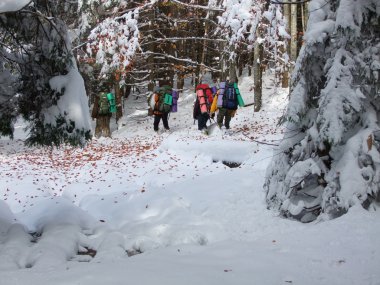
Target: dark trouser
{"type": "Point", "coordinates": [202, 121]}
{"type": "Point", "coordinates": [157, 119]}
{"type": "Point", "coordinates": [226, 115]}
{"type": "Point", "coordinates": [103, 126]}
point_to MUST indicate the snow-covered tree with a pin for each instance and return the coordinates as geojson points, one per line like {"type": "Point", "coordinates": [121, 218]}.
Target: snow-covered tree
{"type": "Point", "coordinates": [254, 30]}
{"type": "Point", "coordinates": [239, 24]}
{"type": "Point", "coordinates": [275, 40]}
{"type": "Point", "coordinates": [166, 40]}
{"type": "Point", "coordinates": [329, 159]}
{"type": "Point", "coordinates": [114, 42]}
{"type": "Point", "coordinates": [39, 79]}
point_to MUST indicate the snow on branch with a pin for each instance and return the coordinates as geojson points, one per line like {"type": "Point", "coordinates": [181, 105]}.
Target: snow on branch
{"type": "Point", "coordinates": [208, 8]}
{"type": "Point", "coordinates": [114, 42]}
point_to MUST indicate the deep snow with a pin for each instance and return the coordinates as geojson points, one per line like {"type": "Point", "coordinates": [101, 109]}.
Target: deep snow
{"type": "Point", "coordinates": [169, 196]}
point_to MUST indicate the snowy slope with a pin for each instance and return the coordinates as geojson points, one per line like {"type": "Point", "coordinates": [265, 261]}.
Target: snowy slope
{"type": "Point", "coordinates": [164, 209]}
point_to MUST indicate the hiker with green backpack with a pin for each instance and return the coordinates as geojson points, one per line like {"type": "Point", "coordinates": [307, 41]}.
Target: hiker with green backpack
{"type": "Point", "coordinates": [163, 101]}
{"type": "Point", "coordinates": [104, 106]}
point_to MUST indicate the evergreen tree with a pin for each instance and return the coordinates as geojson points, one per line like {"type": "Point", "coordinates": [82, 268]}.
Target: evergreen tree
{"type": "Point", "coordinates": [35, 52]}
{"type": "Point", "coordinates": [329, 159]}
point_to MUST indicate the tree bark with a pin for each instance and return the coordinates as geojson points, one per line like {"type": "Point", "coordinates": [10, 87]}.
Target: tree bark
{"type": "Point", "coordinates": [232, 70]}
{"type": "Point", "coordinates": [293, 32]}
{"type": "Point", "coordinates": [118, 99]}
{"type": "Point", "coordinates": [257, 75]}
{"type": "Point", "coordinates": [285, 71]}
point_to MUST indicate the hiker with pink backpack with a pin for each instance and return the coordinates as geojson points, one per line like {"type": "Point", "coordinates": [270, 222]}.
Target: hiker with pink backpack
{"type": "Point", "coordinates": [202, 104]}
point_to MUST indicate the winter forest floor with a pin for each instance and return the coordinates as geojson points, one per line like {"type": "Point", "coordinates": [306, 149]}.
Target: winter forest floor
{"type": "Point", "coordinates": [164, 208]}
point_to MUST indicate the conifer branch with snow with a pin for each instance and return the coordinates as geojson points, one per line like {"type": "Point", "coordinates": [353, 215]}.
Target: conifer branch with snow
{"type": "Point", "coordinates": [330, 165]}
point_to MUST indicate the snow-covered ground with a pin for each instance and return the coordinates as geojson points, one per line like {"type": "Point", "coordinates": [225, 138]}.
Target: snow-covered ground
{"type": "Point", "coordinates": [148, 208]}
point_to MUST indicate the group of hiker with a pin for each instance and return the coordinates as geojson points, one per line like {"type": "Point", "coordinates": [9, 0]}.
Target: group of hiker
{"type": "Point", "coordinates": [223, 100]}
{"type": "Point", "coordinates": [209, 100]}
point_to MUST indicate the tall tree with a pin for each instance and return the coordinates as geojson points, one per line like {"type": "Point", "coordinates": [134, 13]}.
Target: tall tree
{"type": "Point", "coordinates": [329, 158]}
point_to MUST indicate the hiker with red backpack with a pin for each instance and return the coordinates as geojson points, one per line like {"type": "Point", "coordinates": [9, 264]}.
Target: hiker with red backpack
{"type": "Point", "coordinates": [227, 100]}
{"type": "Point", "coordinates": [201, 110]}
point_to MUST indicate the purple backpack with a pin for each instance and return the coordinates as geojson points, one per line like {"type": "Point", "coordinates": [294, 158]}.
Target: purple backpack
{"type": "Point", "coordinates": [175, 96]}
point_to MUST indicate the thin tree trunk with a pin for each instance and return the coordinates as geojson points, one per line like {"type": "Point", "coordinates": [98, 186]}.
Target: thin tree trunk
{"type": "Point", "coordinates": [150, 59]}
{"type": "Point", "coordinates": [257, 75]}
{"type": "Point", "coordinates": [285, 70]}
{"type": "Point", "coordinates": [204, 46]}
{"type": "Point", "coordinates": [118, 99]}
{"type": "Point", "coordinates": [305, 17]}
{"type": "Point", "coordinates": [285, 77]}
{"type": "Point", "coordinates": [250, 64]}
{"type": "Point", "coordinates": [232, 70]}
{"type": "Point", "coordinates": [222, 63]}
{"type": "Point", "coordinates": [293, 32]}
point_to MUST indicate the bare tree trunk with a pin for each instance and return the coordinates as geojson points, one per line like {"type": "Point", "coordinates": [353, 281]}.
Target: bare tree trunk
{"type": "Point", "coordinates": [232, 70]}
{"type": "Point", "coordinates": [240, 64]}
{"type": "Point", "coordinates": [257, 75]}
{"type": "Point", "coordinates": [288, 20]}
{"type": "Point", "coordinates": [250, 64]}
{"type": "Point", "coordinates": [293, 32]}
{"type": "Point", "coordinates": [150, 60]}
{"type": "Point", "coordinates": [222, 63]}
{"type": "Point", "coordinates": [118, 99]}
{"type": "Point", "coordinates": [204, 46]}
{"type": "Point", "coordinates": [304, 16]}
{"type": "Point", "coordinates": [285, 71]}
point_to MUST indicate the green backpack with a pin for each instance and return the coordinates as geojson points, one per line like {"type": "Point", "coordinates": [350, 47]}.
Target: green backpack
{"type": "Point", "coordinates": [106, 103]}
{"type": "Point", "coordinates": [165, 100]}
{"type": "Point", "coordinates": [112, 102]}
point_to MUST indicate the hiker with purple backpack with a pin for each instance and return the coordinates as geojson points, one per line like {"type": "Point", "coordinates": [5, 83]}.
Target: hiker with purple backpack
{"type": "Point", "coordinates": [163, 101]}
{"type": "Point", "coordinates": [226, 101]}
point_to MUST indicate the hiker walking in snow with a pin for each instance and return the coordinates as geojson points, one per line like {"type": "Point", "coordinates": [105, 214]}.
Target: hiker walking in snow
{"type": "Point", "coordinates": [202, 104]}
{"type": "Point", "coordinates": [162, 102]}
{"type": "Point", "coordinates": [227, 100]}
{"type": "Point", "coordinates": [104, 106]}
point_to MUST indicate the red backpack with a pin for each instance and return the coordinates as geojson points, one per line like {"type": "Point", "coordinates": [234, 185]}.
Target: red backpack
{"type": "Point", "coordinates": [204, 97]}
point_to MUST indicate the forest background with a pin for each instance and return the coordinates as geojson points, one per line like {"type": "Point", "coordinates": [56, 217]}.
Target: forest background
{"type": "Point", "coordinates": [134, 44]}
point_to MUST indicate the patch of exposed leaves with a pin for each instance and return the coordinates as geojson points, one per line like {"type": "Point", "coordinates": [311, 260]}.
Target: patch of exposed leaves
{"type": "Point", "coordinates": [51, 170]}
